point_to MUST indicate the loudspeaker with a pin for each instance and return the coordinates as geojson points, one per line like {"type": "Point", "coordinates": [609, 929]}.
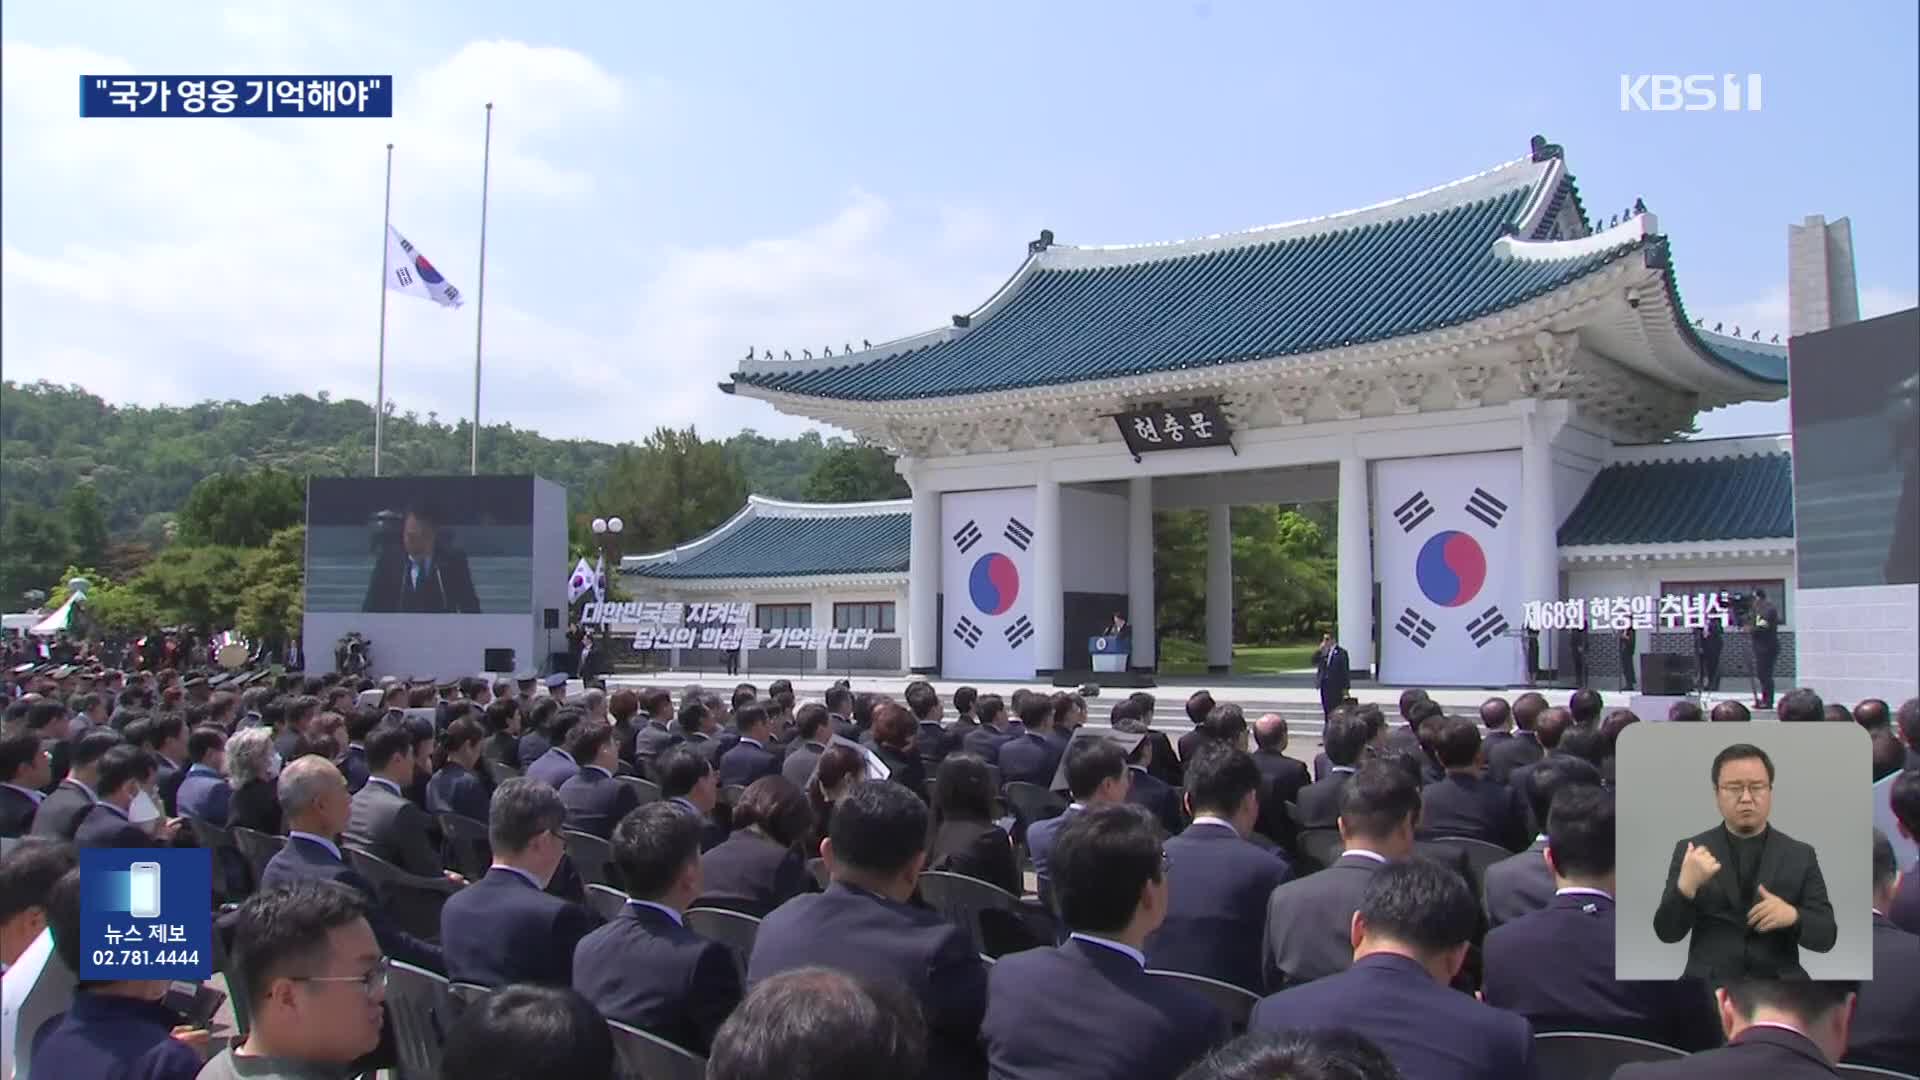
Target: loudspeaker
{"type": "Point", "coordinates": [1666, 673]}
{"type": "Point", "coordinates": [499, 661]}
{"type": "Point", "coordinates": [550, 619]}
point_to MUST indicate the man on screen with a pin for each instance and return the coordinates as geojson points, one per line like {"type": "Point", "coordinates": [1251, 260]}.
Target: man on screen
{"type": "Point", "coordinates": [1750, 895]}
{"type": "Point", "coordinates": [422, 574]}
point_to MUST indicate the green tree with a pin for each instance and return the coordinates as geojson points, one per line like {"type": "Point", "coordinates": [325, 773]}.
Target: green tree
{"type": "Point", "coordinates": [198, 587]}
{"type": "Point", "coordinates": [273, 598]}
{"type": "Point", "coordinates": [852, 473]}
{"type": "Point", "coordinates": [668, 490]}
{"type": "Point", "coordinates": [33, 548]}
{"type": "Point", "coordinates": [241, 509]}
{"type": "Point", "coordinates": [86, 525]}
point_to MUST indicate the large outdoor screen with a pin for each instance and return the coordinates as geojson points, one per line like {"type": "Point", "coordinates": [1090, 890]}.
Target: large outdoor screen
{"type": "Point", "coordinates": [1856, 452]}
{"type": "Point", "coordinates": [420, 545]}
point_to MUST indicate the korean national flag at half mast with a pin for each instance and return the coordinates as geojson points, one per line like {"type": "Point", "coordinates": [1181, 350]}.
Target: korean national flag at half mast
{"type": "Point", "coordinates": [408, 271]}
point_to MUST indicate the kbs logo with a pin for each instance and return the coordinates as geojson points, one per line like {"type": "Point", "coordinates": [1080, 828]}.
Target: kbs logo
{"type": "Point", "coordinates": [1689, 93]}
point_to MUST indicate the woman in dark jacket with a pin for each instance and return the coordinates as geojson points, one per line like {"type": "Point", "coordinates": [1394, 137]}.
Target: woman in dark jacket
{"type": "Point", "coordinates": [456, 787]}
{"type": "Point", "coordinates": [839, 768]}
{"type": "Point", "coordinates": [502, 720]}
{"type": "Point", "coordinates": [894, 731]}
{"type": "Point", "coordinates": [759, 866]}
{"type": "Point", "coordinates": [965, 839]}
{"type": "Point", "coordinates": [253, 768]}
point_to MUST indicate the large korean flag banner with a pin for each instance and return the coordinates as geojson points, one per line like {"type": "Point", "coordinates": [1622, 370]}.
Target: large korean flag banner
{"type": "Point", "coordinates": [986, 576]}
{"type": "Point", "coordinates": [1445, 547]}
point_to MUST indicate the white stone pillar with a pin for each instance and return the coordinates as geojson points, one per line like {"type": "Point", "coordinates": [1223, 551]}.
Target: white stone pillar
{"type": "Point", "coordinates": [1539, 522]}
{"type": "Point", "coordinates": [1140, 570]}
{"type": "Point", "coordinates": [923, 582]}
{"type": "Point", "coordinates": [1219, 589]}
{"type": "Point", "coordinates": [822, 619]}
{"type": "Point", "coordinates": [1048, 603]}
{"type": "Point", "coordinates": [1355, 587]}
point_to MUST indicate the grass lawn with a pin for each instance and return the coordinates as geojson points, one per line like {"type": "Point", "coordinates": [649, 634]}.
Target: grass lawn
{"type": "Point", "coordinates": [1179, 656]}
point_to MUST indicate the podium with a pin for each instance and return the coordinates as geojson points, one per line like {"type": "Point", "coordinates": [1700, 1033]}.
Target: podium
{"type": "Point", "coordinates": [1109, 654]}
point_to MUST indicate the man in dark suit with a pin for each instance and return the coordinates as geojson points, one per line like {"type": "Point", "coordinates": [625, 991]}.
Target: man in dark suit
{"type": "Point", "coordinates": [933, 743]}
{"type": "Point", "coordinates": [1904, 912]}
{"type": "Point", "coordinates": [1765, 627]}
{"type": "Point", "coordinates": [749, 759]}
{"type": "Point", "coordinates": [1096, 774]}
{"type": "Point", "coordinates": [1033, 755]}
{"type": "Point", "coordinates": [1282, 778]}
{"type": "Point", "coordinates": [505, 928]}
{"type": "Point", "coordinates": [1309, 919]}
{"type": "Point", "coordinates": [423, 573]}
{"type": "Point", "coordinates": [1332, 673]}
{"type": "Point", "coordinates": [383, 820]}
{"type": "Point", "coordinates": [125, 772]}
{"type": "Point", "coordinates": [985, 741]}
{"type": "Point", "coordinates": [1318, 804]}
{"type": "Point", "coordinates": [1884, 1033]}
{"type": "Point", "coordinates": [1199, 706]}
{"type": "Point", "coordinates": [1521, 883]}
{"type": "Point", "coordinates": [167, 742]}
{"type": "Point", "coordinates": [595, 802]}
{"type": "Point", "coordinates": [315, 805]}
{"type": "Point", "coordinates": [1465, 804]}
{"type": "Point", "coordinates": [645, 967]}
{"type": "Point", "coordinates": [657, 733]}
{"type": "Point", "coordinates": [205, 790]}
{"type": "Point", "coordinates": [1524, 747]}
{"type": "Point", "coordinates": [865, 925]}
{"type": "Point", "coordinates": [689, 782]}
{"type": "Point", "coordinates": [1780, 1029]}
{"type": "Point", "coordinates": [555, 766]}
{"type": "Point", "coordinates": [1148, 790]}
{"type": "Point", "coordinates": [62, 811]}
{"type": "Point", "coordinates": [1555, 966]}
{"type": "Point", "coordinates": [1220, 882]}
{"type": "Point", "coordinates": [1549, 729]}
{"type": "Point", "coordinates": [1410, 937]}
{"type": "Point", "coordinates": [1088, 1007]}
{"type": "Point", "coordinates": [811, 732]}
{"type": "Point", "coordinates": [24, 770]}
{"type": "Point", "coordinates": [1496, 716]}
{"type": "Point", "coordinates": [1750, 895]}
{"type": "Point", "coordinates": [353, 760]}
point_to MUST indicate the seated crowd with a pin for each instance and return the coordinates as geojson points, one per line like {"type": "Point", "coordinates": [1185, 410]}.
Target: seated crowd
{"type": "Point", "coordinates": [869, 887]}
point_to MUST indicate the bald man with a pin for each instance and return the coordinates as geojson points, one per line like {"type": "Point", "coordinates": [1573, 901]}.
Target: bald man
{"type": "Point", "coordinates": [1281, 778]}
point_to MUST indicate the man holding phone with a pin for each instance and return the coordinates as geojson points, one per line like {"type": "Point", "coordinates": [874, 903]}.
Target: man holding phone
{"type": "Point", "coordinates": [112, 1029]}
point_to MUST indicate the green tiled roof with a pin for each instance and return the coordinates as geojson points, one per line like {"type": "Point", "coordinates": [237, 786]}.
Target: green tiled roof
{"type": "Point", "coordinates": [1384, 279]}
{"type": "Point", "coordinates": [768, 546]}
{"type": "Point", "coordinates": [1663, 502]}
{"type": "Point", "coordinates": [1768, 362]}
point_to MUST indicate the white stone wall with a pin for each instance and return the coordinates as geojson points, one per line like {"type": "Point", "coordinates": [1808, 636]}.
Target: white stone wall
{"type": "Point", "coordinates": [1860, 642]}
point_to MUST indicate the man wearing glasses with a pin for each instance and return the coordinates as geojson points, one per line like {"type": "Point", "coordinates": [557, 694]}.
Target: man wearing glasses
{"type": "Point", "coordinates": [315, 981]}
{"type": "Point", "coordinates": [1749, 894]}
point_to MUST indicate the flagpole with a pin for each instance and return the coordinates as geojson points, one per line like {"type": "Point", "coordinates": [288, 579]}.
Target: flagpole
{"type": "Point", "coordinates": [480, 304]}
{"type": "Point", "coordinates": [380, 394]}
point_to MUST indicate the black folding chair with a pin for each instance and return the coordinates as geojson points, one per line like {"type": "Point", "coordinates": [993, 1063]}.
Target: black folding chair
{"type": "Point", "coordinates": [730, 928]}
{"type": "Point", "coordinates": [1592, 1055]}
{"type": "Point", "coordinates": [648, 790]}
{"type": "Point", "coordinates": [606, 901]}
{"type": "Point", "coordinates": [232, 875]}
{"type": "Point", "coordinates": [465, 995]}
{"type": "Point", "coordinates": [259, 848]}
{"type": "Point", "coordinates": [468, 849]}
{"type": "Point", "coordinates": [591, 855]}
{"type": "Point", "coordinates": [414, 900]}
{"type": "Point", "coordinates": [646, 1056]}
{"type": "Point", "coordinates": [1237, 1002]}
{"type": "Point", "coordinates": [997, 921]}
{"type": "Point", "coordinates": [1480, 855]}
{"type": "Point", "coordinates": [1032, 803]}
{"type": "Point", "coordinates": [421, 1011]}
{"type": "Point", "coordinates": [502, 772]}
{"type": "Point", "coordinates": [1870, 1072]}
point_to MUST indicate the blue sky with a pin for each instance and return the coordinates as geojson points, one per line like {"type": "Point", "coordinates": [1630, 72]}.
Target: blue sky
{"type": "Point", "coordinates": [672, 184]}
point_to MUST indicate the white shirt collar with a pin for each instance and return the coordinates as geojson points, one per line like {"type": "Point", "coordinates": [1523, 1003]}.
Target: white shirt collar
{"type": "Point", "coordinates": [754, 742]}
{"type": "Point", "coordinates": [1781, 1026]}
{"type": "Point", "coordinates": [1364, 853]}
{"type": "Point", "coordinates": [1341, 768]}
{"type": "Point", "coordinates": [1107, 943]}
{"type": "Point", "coordinates": [1209, 819]}
{"type": "Point", "coordinates": [1582, 890]}
{"type": "Point", "coordinates": [1076, 806]}
{"type": "Point", "coordinates": [530, 879]}
{"type": "Point", "coordinates": [296, 834]}
{"type": "Point", "coordinates": [386, 783]}
{"type": "Point", "coordinates": [1540, 838]}
{"type": "Point", "coordinates": [27, 791]}
{"type": "Point", "coordinates": [670, 913]}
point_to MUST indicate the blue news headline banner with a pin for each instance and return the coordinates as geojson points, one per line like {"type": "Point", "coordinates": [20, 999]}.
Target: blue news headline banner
{"type": "Point", "coordinates": [146, 913]}
{"type": "Point", "coordinates": [236, 95]}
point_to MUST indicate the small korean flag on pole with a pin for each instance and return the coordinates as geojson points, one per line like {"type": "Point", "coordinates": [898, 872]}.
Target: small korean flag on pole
{"type": "Point", "coordinates": [581, 583]}
{"type": "Point", "coordinates": [409, 272]}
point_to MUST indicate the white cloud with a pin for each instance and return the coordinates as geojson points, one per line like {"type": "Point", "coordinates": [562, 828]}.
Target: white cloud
{"type": "Point", "coordinates": [173, 262]}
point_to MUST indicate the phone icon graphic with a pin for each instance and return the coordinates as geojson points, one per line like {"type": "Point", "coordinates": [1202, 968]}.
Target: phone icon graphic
{"type": "Point", "coordinates": [143, 894]}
